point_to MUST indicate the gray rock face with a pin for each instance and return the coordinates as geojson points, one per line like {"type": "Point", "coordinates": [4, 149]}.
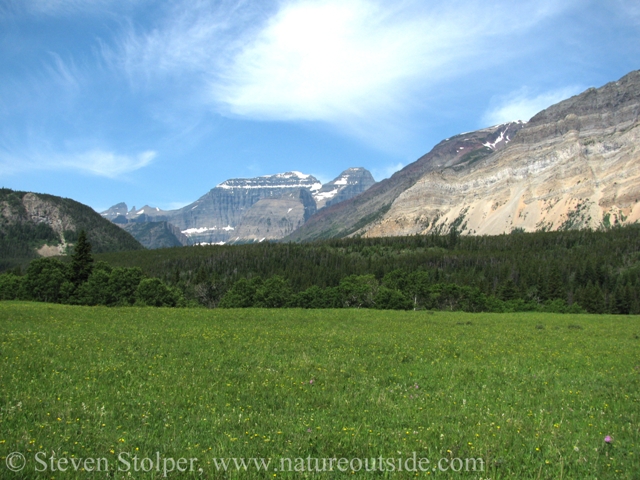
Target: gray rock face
{"type": "Point", "coordinates": [275, 218]}
{"type": "Point", "coordinates": [215, 217]}
{"type": "Point", "coordinates": [613, 103]}
{"type": "Point", "coordinates": [348, 184]}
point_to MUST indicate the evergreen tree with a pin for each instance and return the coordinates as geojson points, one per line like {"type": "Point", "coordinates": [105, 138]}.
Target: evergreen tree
{"type": "Point", "coordinates": [509, 291]}
{"type": "Point", "coordinates": [554, 285]}
{"type": "Point", "coordinates": [592, 299]}
{"type": "Point", "coordinates": [81, 260]}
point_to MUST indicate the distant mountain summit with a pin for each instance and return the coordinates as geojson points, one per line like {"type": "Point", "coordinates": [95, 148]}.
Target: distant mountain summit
{"type": "Point", "coordinates": [115, 211]}
{"type": "Point", "coordinates": [269, 207]}
{"type": "Point", "coordinates": [348, 184]}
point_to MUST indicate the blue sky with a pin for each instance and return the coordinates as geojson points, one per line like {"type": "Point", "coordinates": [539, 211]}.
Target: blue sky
{"type": "Point", "coordinates": [156, 102]}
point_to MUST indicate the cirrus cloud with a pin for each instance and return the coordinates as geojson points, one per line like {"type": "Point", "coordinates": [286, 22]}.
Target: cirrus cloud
{"type": "Point", "coordinates": [355, 65]}
{"type": "Point", "coordinates": [93, 162]}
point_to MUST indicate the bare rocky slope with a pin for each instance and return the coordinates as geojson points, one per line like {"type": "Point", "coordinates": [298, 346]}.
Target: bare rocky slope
{"type": "Point", "coordinates": [573, 165]}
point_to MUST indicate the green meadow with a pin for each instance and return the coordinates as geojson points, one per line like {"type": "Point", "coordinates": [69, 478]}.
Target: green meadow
{"type": "Point", "coordinates": [532, 395]}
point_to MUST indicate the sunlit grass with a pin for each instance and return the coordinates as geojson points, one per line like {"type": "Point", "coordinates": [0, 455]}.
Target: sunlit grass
{"type": "Point", "coordinates": [534, 395]}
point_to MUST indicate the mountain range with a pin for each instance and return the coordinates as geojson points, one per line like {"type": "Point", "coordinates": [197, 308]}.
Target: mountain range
{"type": "Point", "coordinates": [574, 165]}
{"type": "Point", "coordinates": [241, 210]}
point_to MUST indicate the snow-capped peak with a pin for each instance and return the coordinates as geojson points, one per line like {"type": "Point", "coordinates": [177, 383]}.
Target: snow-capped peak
{"type": "Point", "coordinates": [279, 180]}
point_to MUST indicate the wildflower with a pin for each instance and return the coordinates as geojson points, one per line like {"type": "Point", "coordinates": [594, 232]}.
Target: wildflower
{"type": "Point", "coordinates": [311, 381]}
{"type": "Point", "coordinates": [608, 439]}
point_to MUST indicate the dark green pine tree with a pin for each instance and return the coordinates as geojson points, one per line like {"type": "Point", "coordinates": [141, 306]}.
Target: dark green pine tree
{"type": "Point", "coordinates": [592, 299]}
{"type": "Point", "coordinates": [81, 260]}
{"type": "Point", "coordinates": [509, 290]}
{"type": "Point", "coordinates": [554, 285]}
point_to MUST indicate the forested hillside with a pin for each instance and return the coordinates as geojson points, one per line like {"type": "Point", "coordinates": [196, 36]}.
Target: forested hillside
{"type": "Point", "coordinates": [599, 270]}
{"type": "Point", "coordinates": [29, 221]}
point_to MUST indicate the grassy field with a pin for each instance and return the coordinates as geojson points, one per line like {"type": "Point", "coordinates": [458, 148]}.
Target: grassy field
{"type": "Point", "coordinates": [532, 395]}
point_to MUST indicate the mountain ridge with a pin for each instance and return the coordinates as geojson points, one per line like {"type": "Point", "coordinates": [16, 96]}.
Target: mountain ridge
{"type": "Point", "coordinates": [574, 165]}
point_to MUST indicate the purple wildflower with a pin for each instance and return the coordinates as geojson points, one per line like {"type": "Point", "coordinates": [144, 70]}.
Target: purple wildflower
{"type": "Point", "coordinates": [608, 439]}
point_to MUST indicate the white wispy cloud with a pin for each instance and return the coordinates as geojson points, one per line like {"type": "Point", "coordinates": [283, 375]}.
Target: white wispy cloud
{"type": "Point", "coordinates": [524, 104]}
{"type": "Point", "coordinates": [63, 74]}
{"type": "Point", "coordinates": [194, 38]}
{"type": "Point", "coordinates": [356, 65]}
{"type": "Point", "coordinates": [94, 162]}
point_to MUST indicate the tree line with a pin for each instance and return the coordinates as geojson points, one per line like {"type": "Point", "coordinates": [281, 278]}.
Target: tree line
{"type": "Point", "coordinates": [593, 271]}
{"type": "Point", "coordinates": [598, 270]}
{"type": "Point", "coordinates": [396, 291]}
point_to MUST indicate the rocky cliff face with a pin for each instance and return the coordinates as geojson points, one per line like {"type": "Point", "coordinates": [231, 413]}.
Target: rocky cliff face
{"type": "Point", "coordinates": [216, 216]}
{"type": "Point", "coordinates": [574, 165]}
{"type": "Point", "coordinates": [348, 184]}
{"type": "Point", "coordinates": [275, 218]}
